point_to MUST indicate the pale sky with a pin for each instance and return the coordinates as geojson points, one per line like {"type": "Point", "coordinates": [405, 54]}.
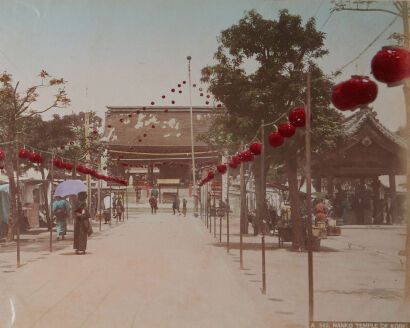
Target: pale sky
{"type": "Point", "coordinates": [129, 53]}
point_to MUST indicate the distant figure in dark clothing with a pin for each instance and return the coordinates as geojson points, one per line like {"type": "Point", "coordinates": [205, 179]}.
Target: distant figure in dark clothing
{"type": "Point", "coordinates": [184, 209]}
{"type": "Point", "coordinates": [153, 203]}
{"type": "Point", "coordinates": [82, 226]}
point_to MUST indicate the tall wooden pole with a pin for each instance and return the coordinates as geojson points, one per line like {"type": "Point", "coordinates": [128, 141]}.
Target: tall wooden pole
{"type": "Point", "coordinates": [88, 157]}
{"type": "Point", "coordinates": [110, 205]}
{"type": "Point", "coordinates": [243, 214]}
{"type": "Point", "coordinates": [308, 201]}
{"type": "Point", "coordinates": [262, 191]}
{"type": "Point", "coordinates": [51, 200]}
{"type": "Point", "coordinates": [18, 210]}
{"type": "Point", "coordinates": [99, 197]}
{"type": "Point", "coordinates": [227, 209]}
{"type": "Point", "coordinates": [406, 89]}
{"type": "Point", "coordinates": [195, 189]}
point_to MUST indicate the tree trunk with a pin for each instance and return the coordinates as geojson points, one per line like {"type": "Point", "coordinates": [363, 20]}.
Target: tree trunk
{"type": "Point", "coordinates": [44, 188]}
{"type": "Point", "coordinates": [260, 196]}
{"type": "Point", "coordinates": [10, 162]}
{"type": "Point", "coordinates": [244, 214]}
{"type": "Point", "coordinates": [291, 171]}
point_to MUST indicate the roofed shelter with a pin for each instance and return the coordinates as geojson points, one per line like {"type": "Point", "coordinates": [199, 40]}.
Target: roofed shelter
{"type": "Point", "coordinates": [369, 150]}
{"type": "Point", "coordinates": [155, 143]}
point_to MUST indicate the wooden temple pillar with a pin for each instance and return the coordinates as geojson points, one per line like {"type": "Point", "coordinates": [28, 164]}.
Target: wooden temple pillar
{"type": "Point", "coordinates": [393, 200]}
{"type": "Point", "coordinates": [377, 205]}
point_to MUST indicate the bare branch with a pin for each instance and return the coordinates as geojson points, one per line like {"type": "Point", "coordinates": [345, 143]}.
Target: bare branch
{"type": "Point", "coordinates": [54, 105]}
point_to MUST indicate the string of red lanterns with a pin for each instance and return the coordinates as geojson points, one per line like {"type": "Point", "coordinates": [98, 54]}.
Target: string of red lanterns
{"type": "Point", "coordinates": [58, 163]}
{"type": "Point", "coordinates": [297, 118]}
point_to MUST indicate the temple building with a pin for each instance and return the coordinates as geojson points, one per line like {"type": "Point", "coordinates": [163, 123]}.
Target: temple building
{"type": "Point", "coordinates": [151, 146]}
{"type": "Point", "coordinates": [351, 174]}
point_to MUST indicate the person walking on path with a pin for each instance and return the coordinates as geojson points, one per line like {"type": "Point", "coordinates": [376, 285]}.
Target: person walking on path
{"type": "Point", "coordinates": [184, 202]}
{"type": "Point", "coordinates": [178, 202]}
{"type": "Point", "coordinates": [154, 192]}
{"type": "Point", "coordinates": [61, 209]}
{"type": "Point", "coordinates": [82, 227]}
{"type": "Point", "coordinates": [154, 205]}
{"type": "Point", "coordinates": [174, 205]}
{"type": "Point", "coordinates": [119, 208]}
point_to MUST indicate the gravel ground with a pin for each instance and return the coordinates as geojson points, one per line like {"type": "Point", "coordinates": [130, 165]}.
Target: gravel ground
{"type": "Point", "coordinates": [168, 271]}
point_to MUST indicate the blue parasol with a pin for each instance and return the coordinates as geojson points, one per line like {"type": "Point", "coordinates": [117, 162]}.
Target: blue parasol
{"type": "Point", "coordinates": [70, 187]}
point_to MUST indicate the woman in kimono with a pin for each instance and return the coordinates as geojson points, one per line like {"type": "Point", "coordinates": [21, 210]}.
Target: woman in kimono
{"type": "Point", "coordinates": [82, 226]}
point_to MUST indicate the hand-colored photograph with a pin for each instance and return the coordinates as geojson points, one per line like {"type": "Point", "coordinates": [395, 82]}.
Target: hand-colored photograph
{"type": "Point", "coordinates": [204, 163]}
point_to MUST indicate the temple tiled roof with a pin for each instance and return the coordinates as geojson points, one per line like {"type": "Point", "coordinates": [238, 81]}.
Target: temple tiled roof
{"type": "Point", "coordinates": [172, 128]}
{"type": "Point", "coordinates": [354, 123]}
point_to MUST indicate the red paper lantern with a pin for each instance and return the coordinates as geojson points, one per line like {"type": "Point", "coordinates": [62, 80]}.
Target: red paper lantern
{"type": "Point", "coordinates": [36, 158]}
{"type": "Point", "coordinates": [58, 163]}
{"type": "Point", "coordinates": [24, 153]}
{"type": "Point", "coordinates": [153, 126]}
{"type": "Point", "coordinates": [207, 102]}
{"type": "Point", "coordinates": [208, 96]}
{"type": "Point", "coordinates": [236, 159]}
{"type": "Point", "coordinates": [180, 91]}
{"type": "Point", "coordinates": [138, 111]}
{"type": "Point", "coordinates": [62, 147]}
{"type": "Point", "coordinates": [164, 163]}
{"type": "Point", "coordinates": [181, 165]}
{"type": "Point", "coordinates": [173, 102]}
{"type": "Point", "coordinates": [95, 132]}
{"type": "Point", "coordinates": [144, 108]}
{"type": "Point", "coordinates": [221, 168]}
{"type": "Point", "coordinates": [219, 106]}
{"type": "Point", "coordinates": [232, 164]}
{"type": "Point", "coordinates": [104, 168]}
{"type": "Point", "coordinates": [121, 120]}
{"type": "Point", "coordinates": [297, 117]}
{"type": "Point", "coordinates": [286, 130]}
{"type": "Point", "coordinates": [211, 175]}
{"type": "Point", "coordinates": [172, 90]}
{"type": "Point", "coordinates": [275, 139]}
{"type": "Point", "coordinates": [129, 115]}
{"type": "Point", "coordinates": [139, 140]}
{"type": "Point", "coordinates": [152, 103]}
{"type": "Point", "coordinates": [201, 94]}
{"type": "Point", "coordinates": [256, 148]}
{"type": "Point", "coordinates": [108, 126]}
{"type": "Point", "coordinates": [183, 82]}
{"type": "Point", "coordinates": [145, 135]}
{"type": "Point", "coordinates": [179, 85]}
{"type": "Point", "coordinates": [391, 65]}
{"type": "Point", "coordinates": [166, 110]}
{"type": "Point", "coordinates": [80, 168]}
{"type": "Point", "coordinates": [163, 96]}
{"type": "Point", "coordinates": [2, 156]}
{"type": "Point", "coordinates": [68, 166]}
{"type": "Point", "coordinates": [351, 94]}
{"type": "Point", "coordinates": [124, 164]}
{"type": "Point", "coordinates": [194, 85]}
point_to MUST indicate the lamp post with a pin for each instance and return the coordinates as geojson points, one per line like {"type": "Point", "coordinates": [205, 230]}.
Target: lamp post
{"type": "Point", "coordinates": [192, 140]}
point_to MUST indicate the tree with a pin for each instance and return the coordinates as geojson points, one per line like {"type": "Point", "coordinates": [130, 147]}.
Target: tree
{"type": "Point", "coordinates": [15, 107]}
{"type": "Point", "coordinates": [283, 52]}
{"type": "Point", "coordinates": [399, 9]}
{"type": "Point", "coordinates": [65, 137]}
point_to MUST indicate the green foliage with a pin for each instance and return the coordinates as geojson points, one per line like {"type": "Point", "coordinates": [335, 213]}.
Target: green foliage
{"type": "Point", "coordinates": [64, 135]}
{"type": "Point", "coordinates": [283, 51]}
